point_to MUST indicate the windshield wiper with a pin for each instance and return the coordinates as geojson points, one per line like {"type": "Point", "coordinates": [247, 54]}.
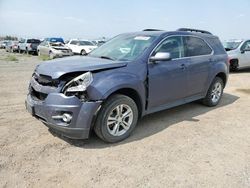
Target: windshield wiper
{"type": "Point", "coordinates": [106, 57]}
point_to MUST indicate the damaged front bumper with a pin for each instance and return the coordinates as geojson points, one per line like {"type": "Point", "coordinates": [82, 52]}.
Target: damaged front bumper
{"type": "Point", "coordinates": [52, 110]}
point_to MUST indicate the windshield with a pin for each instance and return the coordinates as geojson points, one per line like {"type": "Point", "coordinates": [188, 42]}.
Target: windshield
{"type": "Point", "coordinates": [123, 47]}
{"type": "Point", "coordinates": [55, 40]}
{"type": "Point", "coordinates": [85, 43]}
{"type": "Point", "coordinates": [231, 45]}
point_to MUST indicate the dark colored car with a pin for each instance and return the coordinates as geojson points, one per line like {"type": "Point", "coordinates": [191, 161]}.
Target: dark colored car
{"type": "Point", "coordinates": [28, 45]}
{"type": "Point", "coordinates": [128, 77]}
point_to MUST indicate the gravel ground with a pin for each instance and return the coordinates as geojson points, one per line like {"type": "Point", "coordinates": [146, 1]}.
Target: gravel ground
{"type": "Point", "coordinates": [188, 146]}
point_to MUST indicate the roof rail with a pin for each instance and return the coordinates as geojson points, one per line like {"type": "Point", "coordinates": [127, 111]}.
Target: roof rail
{"type": "Point", "coordinates": [152, 30]}
{"type": "Point", "coordinates": [194, 30]}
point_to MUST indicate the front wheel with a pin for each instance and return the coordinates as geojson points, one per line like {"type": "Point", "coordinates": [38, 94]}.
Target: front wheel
{"type": "Point", "coordinates": [51, 55]}
{"type": "Point", "coordinates": [214, 93]}
{"type": "Point", "coordinates": [116, 119]}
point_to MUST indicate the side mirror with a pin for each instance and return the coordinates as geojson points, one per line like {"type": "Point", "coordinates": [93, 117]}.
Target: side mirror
{"type": "Point", "coordinates": [160, 56]}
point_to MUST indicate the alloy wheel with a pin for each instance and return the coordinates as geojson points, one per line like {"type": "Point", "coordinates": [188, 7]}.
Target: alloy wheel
{"type": "Point", "coordinates": [216, 92]}
{"type": "Point", "coordinates": [120, 120]}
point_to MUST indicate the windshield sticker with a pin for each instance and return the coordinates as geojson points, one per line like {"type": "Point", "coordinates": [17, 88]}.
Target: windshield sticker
{"type": "Point", "coordinates": [142, 38]}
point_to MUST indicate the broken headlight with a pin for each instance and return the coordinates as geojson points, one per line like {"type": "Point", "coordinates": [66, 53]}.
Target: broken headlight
{"type": "Point", "coordinates": [78, 85]}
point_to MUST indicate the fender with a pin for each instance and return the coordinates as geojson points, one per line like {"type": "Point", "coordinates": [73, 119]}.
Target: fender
{"type": "Point", "coordinates": [107, 82]}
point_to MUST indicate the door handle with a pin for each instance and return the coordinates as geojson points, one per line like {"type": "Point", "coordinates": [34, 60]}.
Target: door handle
{"type": "Point", "coordinates": [183, 66]}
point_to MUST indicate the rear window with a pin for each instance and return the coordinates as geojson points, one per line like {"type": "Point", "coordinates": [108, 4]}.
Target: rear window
{"type": "Point", "coordinates": [33, 41]}
{"type": "Point", "coordinates": [195, 46]}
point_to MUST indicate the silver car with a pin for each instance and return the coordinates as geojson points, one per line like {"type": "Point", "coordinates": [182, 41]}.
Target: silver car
{"type": "Point", "coordinates": [12, 46]}
{"type": "Point", "coordinates": [53, 49]}
{"type": "Point", "coordinates": [239, 53]}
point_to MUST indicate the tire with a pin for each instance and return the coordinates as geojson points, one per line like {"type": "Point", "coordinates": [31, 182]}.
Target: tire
{"type": "Point", "coordinates": [115, 130]}
{"type": "Point", "coordinates": [51, 56]}
{"type": "Point", "coordinates": [234, 65]}
{"type": "Point", "coordinates": [83, 52]}
{"type": "Point", "coordinates": [214, 93]}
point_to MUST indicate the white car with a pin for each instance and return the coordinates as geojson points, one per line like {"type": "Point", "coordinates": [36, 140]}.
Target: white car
{"type": "Point", "coordinates": [239, 53]}
{"type": "Point", "coordinates": [81, 47]}
{"type": "Point", "coordinates": [53, 49]}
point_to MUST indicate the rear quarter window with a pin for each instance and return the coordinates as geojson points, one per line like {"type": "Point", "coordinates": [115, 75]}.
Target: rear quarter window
{"type": "Point", "coordinates": [216, 45]}
{"type": "Point", "coordinates": [195, 46]}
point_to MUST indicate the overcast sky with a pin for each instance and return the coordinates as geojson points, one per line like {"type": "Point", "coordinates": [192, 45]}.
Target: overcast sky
{"type": "Point", "coordinates": [97, 18]}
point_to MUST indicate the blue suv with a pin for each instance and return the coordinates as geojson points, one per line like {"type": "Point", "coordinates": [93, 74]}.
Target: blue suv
{"type": "Point", "coordinates": [128, 77]}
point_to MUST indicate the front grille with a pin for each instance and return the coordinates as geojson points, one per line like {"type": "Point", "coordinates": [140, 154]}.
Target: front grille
{"type": "Point", "coordinates": [38, 95]}
{"type": "Point", "coordinates": [46, 80]}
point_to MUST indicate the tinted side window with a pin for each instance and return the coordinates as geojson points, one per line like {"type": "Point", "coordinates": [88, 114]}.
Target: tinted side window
{"type": "Point", "coordinates": [74, 42]}
{"type": "Point", "coordinates": [195, 47]}
{"type": "Point", "coordinates": [43, 43]}
{"type": "Point", "coordinates": [173, 45]}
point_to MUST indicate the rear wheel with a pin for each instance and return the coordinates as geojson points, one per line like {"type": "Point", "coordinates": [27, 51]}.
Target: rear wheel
{"type": "Point", "coordinates": [83, 52]}
{"type": "Point", "coordinates": [116, 119]}
{"type": "Point", "coordinates": [214, 93]}
{"type": "Point", "coordinates": [38, 53]}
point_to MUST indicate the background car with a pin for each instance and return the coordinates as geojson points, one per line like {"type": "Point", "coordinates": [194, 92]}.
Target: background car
{"type": "Point", "coordinates": [28, 45]}
{"type": "Point", "coordinates": [3, 44]}
{"type": "Point", "coordinates": [239, 53]}
{"type": "Point", "coordinates": [12, 46]}
{"type": "Point", "coordinates": [53, 49]}
{"type": "Point", "coordinates": [81, 47]}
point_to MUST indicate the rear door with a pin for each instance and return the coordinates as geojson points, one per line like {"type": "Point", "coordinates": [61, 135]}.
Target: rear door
{"type": "Point", "coordinates": [167, 79]}
{"type": "Point", "coordinates": [46, 48]}
{"type": "Point", "coordinates": [199, 54]}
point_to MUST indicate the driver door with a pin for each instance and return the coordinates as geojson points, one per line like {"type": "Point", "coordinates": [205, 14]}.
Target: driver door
{"type": "Point", "coordinates": [245, 54]}
{"type": "Point", "coordinates": [168, 79]}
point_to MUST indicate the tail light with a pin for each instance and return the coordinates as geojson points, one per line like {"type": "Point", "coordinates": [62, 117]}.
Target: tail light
{"type": "Point", "coordinates": [31, 45]}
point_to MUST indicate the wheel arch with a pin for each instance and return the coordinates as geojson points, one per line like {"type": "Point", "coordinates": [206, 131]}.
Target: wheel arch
{"type": "Point", "coordinates": [133, 94]}
{"type": "Point", "coordinates": [223, 76]}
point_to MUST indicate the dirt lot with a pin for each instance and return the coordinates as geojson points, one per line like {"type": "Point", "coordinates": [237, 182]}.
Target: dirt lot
{"type": "Point", "coordinates": [188, 146]}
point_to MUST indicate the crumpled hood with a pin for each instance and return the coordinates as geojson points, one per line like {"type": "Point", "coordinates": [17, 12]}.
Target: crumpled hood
{"type": "Point", "coordinates": [60, 48]}
{"type": "Point", "coordinates": [58, 67]}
